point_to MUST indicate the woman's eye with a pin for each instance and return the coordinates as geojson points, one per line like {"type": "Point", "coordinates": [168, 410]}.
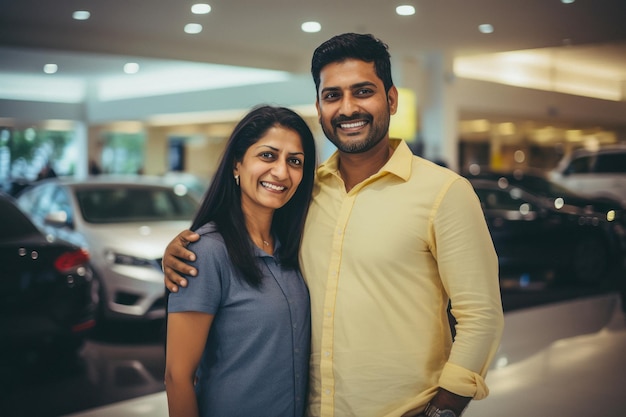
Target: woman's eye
{"type": "Point", "coordinates": [295, 162]}
{"type": "Point", "coordinates": [267, 155]}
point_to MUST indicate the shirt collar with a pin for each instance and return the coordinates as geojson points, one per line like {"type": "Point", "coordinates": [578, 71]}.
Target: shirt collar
{"type": "Point", "coordinates": [399, 164]}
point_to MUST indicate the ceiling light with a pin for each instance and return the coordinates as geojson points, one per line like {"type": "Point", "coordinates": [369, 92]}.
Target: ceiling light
{"type": "Point", "coordinates": [131, 68]}
{"type": "Point", "coordinates": [193, 28]}
{"type": "Point", "coordinates": [81, 15]}
{"type": "Point", "coordinates": [405, 10]}
{"type": "Point", "coordinates": [200, 8]}
{"type": "Point", "coordinates": [567, 1]}
{"type": "Point", "coordinates": [485, 28]}
{"type": "Point", "coordinates": [311, 27]}
{"type": "Point", "coordinates": [50, 68]}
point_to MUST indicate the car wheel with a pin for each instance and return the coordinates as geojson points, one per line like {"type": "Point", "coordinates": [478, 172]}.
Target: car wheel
{"type": "Point", "coordinates": [590, 261]}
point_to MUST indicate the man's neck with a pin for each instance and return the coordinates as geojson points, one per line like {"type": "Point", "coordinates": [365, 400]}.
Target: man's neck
{"type": "Point", "coordinates": [357, 167]}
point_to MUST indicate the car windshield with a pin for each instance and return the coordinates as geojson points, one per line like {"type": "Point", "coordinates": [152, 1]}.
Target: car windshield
{"type": "Point", "coordinates": [120, 204]}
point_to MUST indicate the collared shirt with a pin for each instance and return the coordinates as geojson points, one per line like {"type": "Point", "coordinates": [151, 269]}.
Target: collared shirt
{"type": "Point", "coordinates": [256, 358]}
{"type": "Point", "coordinates": [381, 263]}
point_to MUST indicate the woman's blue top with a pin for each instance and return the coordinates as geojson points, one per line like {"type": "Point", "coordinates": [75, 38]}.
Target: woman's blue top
{"type": "Point", "coordinates": [256, 358]}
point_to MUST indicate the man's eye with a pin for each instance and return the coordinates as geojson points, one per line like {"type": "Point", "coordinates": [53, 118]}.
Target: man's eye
{"type": "Point", "coordinates": [364, 92]}
{"type": "Point", "coordinates": [330, 96]}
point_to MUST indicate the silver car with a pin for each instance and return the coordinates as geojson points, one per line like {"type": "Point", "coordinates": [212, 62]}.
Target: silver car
{"type": "Point", "coordinates": [125, 223]}
{"type": "Point", "coordinates": [595, 173]}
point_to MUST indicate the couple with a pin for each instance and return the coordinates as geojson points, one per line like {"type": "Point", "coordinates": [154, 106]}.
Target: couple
{"type": "Point", "coordinates": [389, 239]}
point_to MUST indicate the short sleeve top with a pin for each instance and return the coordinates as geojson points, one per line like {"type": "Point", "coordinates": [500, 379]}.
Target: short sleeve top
{"type": "Point", "coordinates": [255, 362]}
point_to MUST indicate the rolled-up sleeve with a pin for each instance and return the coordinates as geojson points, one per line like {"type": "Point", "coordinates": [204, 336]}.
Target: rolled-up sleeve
{"type": "Point", "coordinates": [468, 267]}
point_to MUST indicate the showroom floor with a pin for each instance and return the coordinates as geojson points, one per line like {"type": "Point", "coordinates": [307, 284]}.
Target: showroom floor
{"type": "Point", "coordinates": [565, 358]}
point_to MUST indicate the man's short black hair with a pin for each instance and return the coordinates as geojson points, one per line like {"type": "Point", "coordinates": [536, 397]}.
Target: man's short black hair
{"type": "Point", "coordinates": [353, 46]}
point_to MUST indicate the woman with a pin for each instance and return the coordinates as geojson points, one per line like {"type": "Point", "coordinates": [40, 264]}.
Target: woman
{"type": "Point", "coordinates": [238, 336]}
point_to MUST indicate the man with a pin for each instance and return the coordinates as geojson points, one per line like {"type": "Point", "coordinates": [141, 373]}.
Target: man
{"type": "Point", "coordinates": [390, 238]}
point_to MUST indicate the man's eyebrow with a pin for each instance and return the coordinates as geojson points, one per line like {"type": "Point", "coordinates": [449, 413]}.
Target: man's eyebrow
{"type": "Point", "coordinates": [363, 84]}
{"type": "Point", "coordinates": [353, 86]}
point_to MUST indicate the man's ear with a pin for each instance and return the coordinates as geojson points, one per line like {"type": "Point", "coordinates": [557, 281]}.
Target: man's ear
{"type": "Point", "coordinates": [392, 99]}
{"type": "Point", "coordinates": [319, 113]}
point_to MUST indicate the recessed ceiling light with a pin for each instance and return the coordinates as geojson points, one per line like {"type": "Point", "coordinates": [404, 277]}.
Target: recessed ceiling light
{"type": "Point", "coordinates": [405, 10]}
{"type": "Point", "coordinates": [50, 68]}
{"type": "Point", "coordinates": [81, 15]}
{"type": "Point", "coordinates": [200, 8]}
{"type": "Point", "coordinates": [567, 1]}
{"type": "Point", "coordinates": [193, 28]}
{"type": "Point", "coordinates": [131, 68]}
{"type": "Point", "coordinates": [311, 27]}
{"type": "Point", "coordinates": [485, 28]}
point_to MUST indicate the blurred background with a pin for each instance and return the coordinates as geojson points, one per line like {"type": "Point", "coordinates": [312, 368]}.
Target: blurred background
{"type": "Point", "coordinates": [113, 115]}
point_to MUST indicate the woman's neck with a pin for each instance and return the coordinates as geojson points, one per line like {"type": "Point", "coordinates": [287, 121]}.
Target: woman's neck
{"type": "Point", "coordinates": [259, 226]}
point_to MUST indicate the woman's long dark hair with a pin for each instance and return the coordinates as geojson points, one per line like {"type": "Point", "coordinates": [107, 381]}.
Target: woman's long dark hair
{"type": "Point", "coordinates": [222, 202]}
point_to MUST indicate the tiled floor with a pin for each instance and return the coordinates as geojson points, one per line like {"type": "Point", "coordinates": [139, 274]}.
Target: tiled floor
{"type": "Point", "coordinates": [566, 359]}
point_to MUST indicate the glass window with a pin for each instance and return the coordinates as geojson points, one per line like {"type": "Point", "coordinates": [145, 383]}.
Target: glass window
{"type": "Point", "coordinates": [579, 166]}
{"type": "Point", "coordinates": [60, 201]}
{"type": "Point", "coordinates": [501, 200]}
{"type": "Point", "coordinates": [614, 163]}
{"type": "Point", "coordinates": [128, 204]}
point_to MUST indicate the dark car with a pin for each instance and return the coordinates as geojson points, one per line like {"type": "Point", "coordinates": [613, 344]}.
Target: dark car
{"type": "Point", "coordinates": [48, 298]}
{"type": "Point", "coordinates": [538, 225]}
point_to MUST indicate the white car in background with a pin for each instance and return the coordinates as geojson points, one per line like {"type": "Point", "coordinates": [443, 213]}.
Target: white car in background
{"type": "Point", "coordinates": [599, 173]}
{"type": "Point", "coordinates": [125, 223]}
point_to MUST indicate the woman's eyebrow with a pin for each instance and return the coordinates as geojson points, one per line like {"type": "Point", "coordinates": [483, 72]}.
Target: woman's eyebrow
{"type": "Point", "coordinates": [276, 149]}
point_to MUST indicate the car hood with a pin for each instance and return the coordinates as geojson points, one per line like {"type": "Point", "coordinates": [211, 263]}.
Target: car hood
{"type": "Point", "coordinates": [142, 239]}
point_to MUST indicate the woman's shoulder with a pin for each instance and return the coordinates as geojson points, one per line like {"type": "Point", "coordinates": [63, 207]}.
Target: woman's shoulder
{"type": "Point", "coordinates": [209, 236]}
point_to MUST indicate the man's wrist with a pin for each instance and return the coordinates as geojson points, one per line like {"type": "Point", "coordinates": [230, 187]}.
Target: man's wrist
{"type": "Point", "coordinates": [434, 411]}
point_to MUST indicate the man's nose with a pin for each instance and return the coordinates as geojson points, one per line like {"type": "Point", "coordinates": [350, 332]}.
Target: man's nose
{"type": "Point", "coordinates": [348, 106]}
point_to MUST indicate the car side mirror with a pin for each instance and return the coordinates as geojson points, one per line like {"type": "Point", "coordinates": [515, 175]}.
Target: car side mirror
{"type": "Point", "coordinates": [57, 219]}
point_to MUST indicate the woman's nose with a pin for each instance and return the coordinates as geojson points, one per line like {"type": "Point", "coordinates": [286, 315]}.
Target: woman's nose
{"type": "Point", "coordinates": [279, 169]}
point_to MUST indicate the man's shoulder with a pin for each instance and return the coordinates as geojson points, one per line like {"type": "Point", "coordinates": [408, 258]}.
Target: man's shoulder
{"type": "Point", "coordinates": [423, 167]}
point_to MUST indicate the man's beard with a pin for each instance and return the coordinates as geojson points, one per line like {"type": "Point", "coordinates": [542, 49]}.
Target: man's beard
{"type": "Point", "coordinates": [377, 132]}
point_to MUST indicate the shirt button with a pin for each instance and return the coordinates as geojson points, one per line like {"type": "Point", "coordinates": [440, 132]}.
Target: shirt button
{"type": "Point", "coordinates": [327, 391]}
{"type": "Point", "coordinates": [327, 353]}
{"type": "Point", "coordinates": [328, 314]}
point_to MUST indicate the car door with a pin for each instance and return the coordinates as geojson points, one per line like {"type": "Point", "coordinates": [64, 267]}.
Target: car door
{"type": "Point", "coordinates": [525, 233]}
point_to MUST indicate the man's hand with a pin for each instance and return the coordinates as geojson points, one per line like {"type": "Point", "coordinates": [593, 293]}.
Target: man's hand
{"type": "Point", "coordinates": [175, 260]}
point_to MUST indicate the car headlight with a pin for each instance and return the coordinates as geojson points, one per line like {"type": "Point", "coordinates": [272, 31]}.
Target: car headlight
{"type": "Point", "coordinates": [122, 259]}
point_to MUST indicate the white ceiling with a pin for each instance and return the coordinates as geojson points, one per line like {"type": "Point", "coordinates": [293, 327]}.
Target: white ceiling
{"type": "Point", "coordinates": [266, 34]}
